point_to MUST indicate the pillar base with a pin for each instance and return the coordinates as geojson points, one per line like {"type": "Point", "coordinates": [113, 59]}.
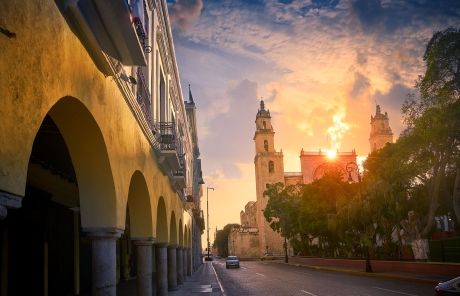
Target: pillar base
{"type": "Point", "coordinates": [103, 260]}
{"type": "Point", "coordinates": [172, 268]}
{"type": "Point", "coordinates": [144, 266]}
{"type": "Point", "coordinates": [161, 255]}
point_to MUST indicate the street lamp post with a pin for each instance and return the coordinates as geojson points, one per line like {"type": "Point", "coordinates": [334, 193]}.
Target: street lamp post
{"type": "Point", "coordinates": [353, 167]}
{"type": "Point", "coordinates": [207, 219]}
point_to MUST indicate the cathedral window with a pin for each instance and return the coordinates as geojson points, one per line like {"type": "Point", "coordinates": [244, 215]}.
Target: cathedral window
{"type": "Point", "coordinates": [271, 167]}
{"type": "Point", "coordinates": [264, 124]}
{"type": "Point", "coordinates": [266, 145]}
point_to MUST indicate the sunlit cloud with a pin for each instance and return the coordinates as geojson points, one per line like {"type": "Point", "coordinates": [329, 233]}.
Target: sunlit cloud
{"type": "Point", "coordinates": [183, 13]}
{"type": "Point", "coordinates": [321, 67]}
{"type": "Point", "coordinates": [337, 131]}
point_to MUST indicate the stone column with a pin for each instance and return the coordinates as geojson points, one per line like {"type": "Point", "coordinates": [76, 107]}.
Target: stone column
{"type": "Point", "coordinates": [180, 267]}
{"type": "Point", "coordinates": [103, 260]}
{"type": "Point", "coordinates": [161, 255]}
{"type": "Point", "coordinates": [172, 268]}
{"type": "Point", "coordinates": [189, 261]}
{"type": "Point", "coordinates": [184, 265]}
{"type": "Point", "coordinates": [144, 266]}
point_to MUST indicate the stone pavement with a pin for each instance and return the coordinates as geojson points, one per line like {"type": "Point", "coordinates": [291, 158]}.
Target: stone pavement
{"type": "Point", "coordinates": [203, 282]}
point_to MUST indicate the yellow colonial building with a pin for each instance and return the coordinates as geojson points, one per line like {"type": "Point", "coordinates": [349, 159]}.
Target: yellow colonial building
{"type": "Point", "coordinates": [100, 177]}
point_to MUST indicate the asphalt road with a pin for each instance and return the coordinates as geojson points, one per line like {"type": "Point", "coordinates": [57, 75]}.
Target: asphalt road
{"type": "Point", "coordinates": [275, 279]}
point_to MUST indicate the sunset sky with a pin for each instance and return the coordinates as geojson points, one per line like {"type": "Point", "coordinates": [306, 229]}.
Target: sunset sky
{"type": "Point", "coordinates": [320, 65]}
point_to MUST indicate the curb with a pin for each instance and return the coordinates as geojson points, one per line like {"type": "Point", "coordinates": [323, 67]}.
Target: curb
{"type": "Point", "coordinates": [368, 274]}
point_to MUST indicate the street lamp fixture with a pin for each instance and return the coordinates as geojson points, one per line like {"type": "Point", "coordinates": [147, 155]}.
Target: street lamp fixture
{"type": "Point", "coordinates": [207, 219]}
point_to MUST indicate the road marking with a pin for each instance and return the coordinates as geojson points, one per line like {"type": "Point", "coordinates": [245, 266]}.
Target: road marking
{"type": "Point", "coordinates": [260, 274]}
{"type": "Point", "coordinates": [244, 267]}
{"type": "Point", "coordinates": [311, 294]}
{"type": "Point", "coordinates": [218, 281]}
{"type": "Point", "coordinates": [393, 291]}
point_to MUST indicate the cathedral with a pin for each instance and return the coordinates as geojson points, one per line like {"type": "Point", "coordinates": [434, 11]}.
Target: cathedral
{"type": "Point", "coordinates": [255, 238]}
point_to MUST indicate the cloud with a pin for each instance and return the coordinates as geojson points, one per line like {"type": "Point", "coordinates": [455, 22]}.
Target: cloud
{"type": "Point", "coordinates": [230, 140]}
{"type": "Point", "coordinates": [361, 84]}
{"type": "Point", "coordinates": [387, 17]}
{"type": "Point", "coordinates": [183, 13]}
{"type": "Point", "coordinates": [320, 65]}
{"type": "Point", "coordinates": [391, 102]}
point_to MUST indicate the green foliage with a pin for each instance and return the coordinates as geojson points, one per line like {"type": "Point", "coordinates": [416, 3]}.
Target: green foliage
{"type": "Point", "coordinates": [433, 136]}
{"type": "Point", "coordinates": [420, 173]}
{"type": "Point", "coordinates": [304, 212]}
{"type": "Point", "coordinates": [221, 240]}
{"type": "Point", "coordinates": [440, 86]}
{"type": "Point", "coordinates": [282, 208]}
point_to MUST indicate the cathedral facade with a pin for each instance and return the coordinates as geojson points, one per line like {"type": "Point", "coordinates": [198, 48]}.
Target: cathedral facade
{"type": "Point", "coordinates": [255, 237]}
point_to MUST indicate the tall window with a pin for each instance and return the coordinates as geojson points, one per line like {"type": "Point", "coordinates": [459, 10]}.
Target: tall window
{"type": "Point", "coordinates": [271, 166]}
{"type": "Point", "coordinates": [162, 98]}
{"type": "Point", "coordinates": [264, 124]}
{"type": "Point", "coordinates": [266, 145]}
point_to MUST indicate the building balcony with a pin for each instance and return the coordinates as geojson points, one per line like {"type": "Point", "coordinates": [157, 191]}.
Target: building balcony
{"type": "Point", "coordinates": [179, 180]}
{"type": "Point", "coordinates": [169, 148]}
{"type": "Point", "coordinates": [108, 26]}
{"type": "Point", "coordinates": [143, 98]}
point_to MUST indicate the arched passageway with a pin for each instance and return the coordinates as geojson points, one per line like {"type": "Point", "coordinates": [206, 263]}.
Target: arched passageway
{"type": "Point", "coordinates": [68, 181]}
{"type": "Point", "coordinates": [136, 244]}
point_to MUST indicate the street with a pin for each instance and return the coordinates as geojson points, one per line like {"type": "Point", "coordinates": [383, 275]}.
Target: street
{"type": "Point", "coordinates": [272, 278]}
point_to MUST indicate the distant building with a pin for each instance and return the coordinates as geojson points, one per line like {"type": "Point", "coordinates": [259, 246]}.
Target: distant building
{"type": "Point", "coordinates": [255, 237]}
{"type": "Point", "coordinates": [381, 133]}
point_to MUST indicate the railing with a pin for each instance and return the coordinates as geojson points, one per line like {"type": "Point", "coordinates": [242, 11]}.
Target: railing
{"type": "Point", "coordinates": [143, 98]}
{"type": "Point", "coordinates": [141, 34]}
{"type": "Point", "coordinates": [166, 135]}
{"type": "Point", "coordinates": [181, 171]}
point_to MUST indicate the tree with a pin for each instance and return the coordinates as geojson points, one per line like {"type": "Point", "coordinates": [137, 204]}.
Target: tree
{"type": "Point", "coordinates": [433, 122]}
{"type": "Point", "coordinates": [282, 208]}
{"type": "Point", "coordinates": [221, 240]}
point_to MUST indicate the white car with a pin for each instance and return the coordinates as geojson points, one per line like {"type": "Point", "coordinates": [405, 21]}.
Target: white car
{"type": "Point", "coordinates": [232, 261]}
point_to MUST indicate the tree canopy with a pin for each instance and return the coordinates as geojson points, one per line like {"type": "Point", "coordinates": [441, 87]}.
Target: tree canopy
{"type": "Point", "coordinates": [405, 185]}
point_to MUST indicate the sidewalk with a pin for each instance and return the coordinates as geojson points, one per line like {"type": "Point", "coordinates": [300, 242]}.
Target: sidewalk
{"type": "Point", "coordinates": [402, 276]}
{"type": "Point", "coordinates": [202, 282]}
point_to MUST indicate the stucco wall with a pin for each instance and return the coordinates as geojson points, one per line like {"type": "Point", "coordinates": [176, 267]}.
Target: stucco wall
{"type": "Point", "coordinates": [46, 66]}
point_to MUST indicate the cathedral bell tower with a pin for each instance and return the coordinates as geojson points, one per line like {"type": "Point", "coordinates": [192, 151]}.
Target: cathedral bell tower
{"type": "Point", "coordinates": [380, 130]}
{"type": "Point", "coordinates": [269, 168]}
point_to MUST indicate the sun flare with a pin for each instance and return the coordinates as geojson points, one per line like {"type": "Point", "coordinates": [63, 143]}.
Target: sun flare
{"type": "Point", "coordinates": [331, 154]}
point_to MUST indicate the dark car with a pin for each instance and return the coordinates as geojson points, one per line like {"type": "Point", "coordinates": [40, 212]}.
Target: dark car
{"type": "Point", "coordinates": [232, 261]}
{"type": "Point", "coordinates": [451, 287]}
{"type": "Point", "coordinates": [208, 258]}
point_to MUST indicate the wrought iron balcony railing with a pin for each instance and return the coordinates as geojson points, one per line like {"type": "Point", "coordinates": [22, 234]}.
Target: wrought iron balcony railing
{"type": "Point", "coordinates": [143, 98]}
{"type": "Point", "coordinates": [166, 135]}
{"type": "Point", "coordinates": [141, 34]}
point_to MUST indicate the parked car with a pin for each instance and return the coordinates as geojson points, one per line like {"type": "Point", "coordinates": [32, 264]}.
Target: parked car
{"type": "Point", "coordinates": [449, 288]}
{"type": "Point", "coordinates": [232, 261]}
{"type": "Point", "coordinates": [268, 256]}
